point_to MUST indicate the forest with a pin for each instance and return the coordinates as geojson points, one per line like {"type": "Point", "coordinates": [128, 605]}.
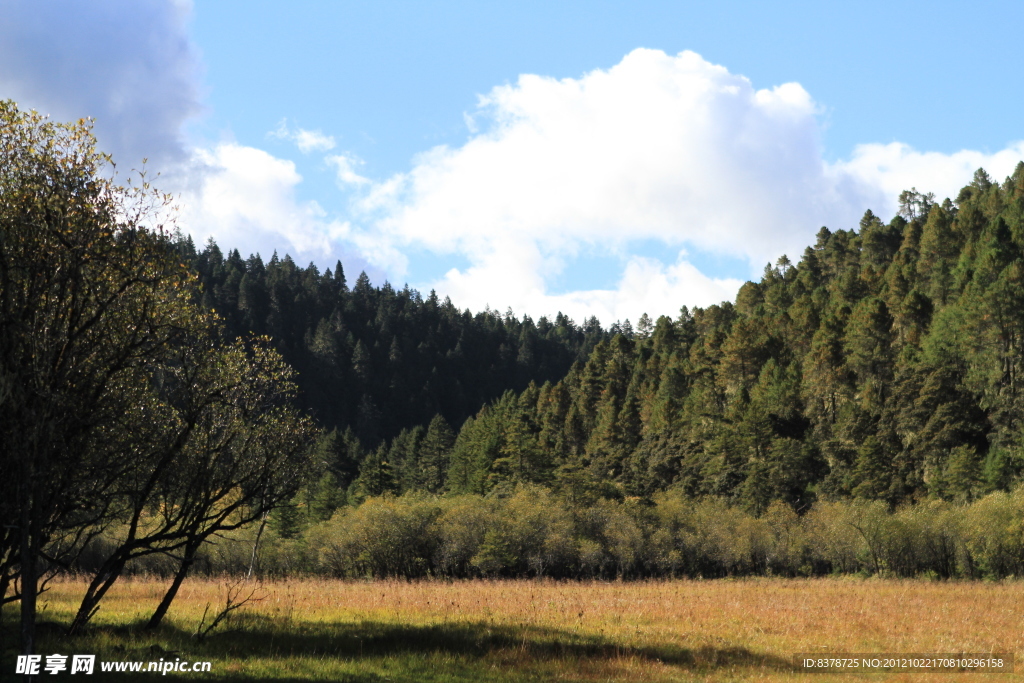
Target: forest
{"type": "Point", "coordinates": [883, 365]}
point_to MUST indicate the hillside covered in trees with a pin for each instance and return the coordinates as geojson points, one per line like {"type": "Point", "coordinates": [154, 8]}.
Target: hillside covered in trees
{"type": "Point", "coordinates": [377, 360]}
{"type": "Point", "coordinates": [885, 364]}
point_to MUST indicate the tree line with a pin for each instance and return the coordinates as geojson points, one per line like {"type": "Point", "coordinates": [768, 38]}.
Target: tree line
{"type": "Point", "coordinates": [884, 365]}
{"type": "Point", "coordinates": [377, 360]}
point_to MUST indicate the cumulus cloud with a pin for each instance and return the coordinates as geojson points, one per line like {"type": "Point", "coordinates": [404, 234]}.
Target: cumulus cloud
{"type": "Point", "coordinates": [513, 280]}
{"type": "Point", "coordinates": [306, 140]}
{"type": "Point", "coordinates": [662, 147]}
{"type": "Point", "coordinates": [130, 65]}
{"type": "Point", "coordinates": [245, 198]}
{"type": "Point", "coordinates": [895, 167]}
{"type": "Point", "coordinates": [667, 148]}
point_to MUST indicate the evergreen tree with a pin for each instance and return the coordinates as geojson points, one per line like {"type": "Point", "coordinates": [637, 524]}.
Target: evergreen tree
{"type": "Point", "coordinates": [434, 452]}
{"type": "Point", "coordinates": [375, 476]}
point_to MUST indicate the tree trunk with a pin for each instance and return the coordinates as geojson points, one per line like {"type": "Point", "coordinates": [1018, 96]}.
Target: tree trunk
{"type": "Point", "coordinates": [5, 583]}
{"type": "Point", "coordinates": [27, 558]}
{"type": "Point", "coordinates": [99, 586]}
{"type": "Point", "coordinates": [186, 563]}
{"type": "Point", "coordinates": [256, 545]}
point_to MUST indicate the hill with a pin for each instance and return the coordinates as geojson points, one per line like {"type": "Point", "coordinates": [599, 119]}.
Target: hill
{"type": "Point", "coordinates": [885, 364]}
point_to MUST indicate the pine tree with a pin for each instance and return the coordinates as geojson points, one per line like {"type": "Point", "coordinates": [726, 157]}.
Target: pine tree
{"type": "Point", "coordinates": [962, 477]}
{"type": "Point", "coordinates": [869, 350]}
{"type": "Point", "coordinates": [434, 452]}
{"type": "Point", "coordinates": [872, 474]}
{"type": "Point", "coordinates": [375, 476]}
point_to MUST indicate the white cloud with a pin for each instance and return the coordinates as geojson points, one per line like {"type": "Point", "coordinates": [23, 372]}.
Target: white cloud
{"type": "Point", "coordinates": [344, 165]}
{"type": "Point", "coordinates": [672, 149]}
{"type": "Point", "coordinates": [306, 140]}
{"type": "Point", "coordinates": [896, 167]}
{"type": "Point", "coordinates": [245, 198]}
{"type": "Point", "coordinates": [133, 67]}
{"type": "Point", "coordinates": [646, 285]}
{"type": "Point", "coordinates": [313, 141]}
{"type": "Point", "coordinates": [658, 147]}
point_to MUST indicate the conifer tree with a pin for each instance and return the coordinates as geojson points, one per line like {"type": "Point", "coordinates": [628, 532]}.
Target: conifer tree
{"type": "Point", "coordinates": [434, 452]}
{"type": "Point", "coordinates": [375, 476]}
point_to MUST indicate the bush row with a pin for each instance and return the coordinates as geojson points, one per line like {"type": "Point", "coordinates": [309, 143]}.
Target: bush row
{"type": "Point", "coordinates": [535, 533]}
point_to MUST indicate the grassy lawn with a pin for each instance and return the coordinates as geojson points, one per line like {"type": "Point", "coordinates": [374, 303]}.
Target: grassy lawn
{"type": "Point", "coordinates": [744, 630]}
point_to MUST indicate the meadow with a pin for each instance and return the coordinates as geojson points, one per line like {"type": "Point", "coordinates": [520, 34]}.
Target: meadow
{"type": "Point", "coordinates": [538, 630]}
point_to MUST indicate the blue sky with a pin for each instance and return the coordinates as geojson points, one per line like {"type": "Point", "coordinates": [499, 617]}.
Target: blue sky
{"type": "Point", "coordinates": [596, 158]}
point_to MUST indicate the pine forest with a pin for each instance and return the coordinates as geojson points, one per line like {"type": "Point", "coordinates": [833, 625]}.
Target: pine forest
{"type": "Point", "coordinates": [884, 365]}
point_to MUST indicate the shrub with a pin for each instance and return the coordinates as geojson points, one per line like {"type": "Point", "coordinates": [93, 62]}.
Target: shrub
{"type": "Point", "coordinates": [383, 537]}
{"type": "Point", "coordinates": [994, 534]}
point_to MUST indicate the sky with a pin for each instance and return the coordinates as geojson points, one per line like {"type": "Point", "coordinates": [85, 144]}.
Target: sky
{"type": "Point", "coordinates": [593, 158]}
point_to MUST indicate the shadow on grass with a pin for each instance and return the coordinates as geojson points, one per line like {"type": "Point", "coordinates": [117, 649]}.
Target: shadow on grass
{"type": "Point", "coordinates": [465, 645]}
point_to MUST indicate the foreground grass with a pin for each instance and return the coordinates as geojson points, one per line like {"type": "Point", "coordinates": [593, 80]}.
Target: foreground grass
{"type": "Point", "coordinates": [721, 630]}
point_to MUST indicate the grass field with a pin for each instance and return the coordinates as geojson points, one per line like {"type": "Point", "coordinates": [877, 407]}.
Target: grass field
{"type": "Point", "coordinates": [722, 630]}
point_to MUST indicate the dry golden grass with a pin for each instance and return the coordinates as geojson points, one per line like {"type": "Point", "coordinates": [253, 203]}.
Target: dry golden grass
{"type": "Point", "coordinates": [719, 630]}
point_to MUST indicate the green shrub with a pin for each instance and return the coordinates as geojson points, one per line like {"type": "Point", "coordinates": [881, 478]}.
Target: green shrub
{"type": "Point", "coordinates": [534, 532]}
{"type": "Point", "coordinates": [994, 534]}
{"type": "Point", "coordinates": [383, 537]}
